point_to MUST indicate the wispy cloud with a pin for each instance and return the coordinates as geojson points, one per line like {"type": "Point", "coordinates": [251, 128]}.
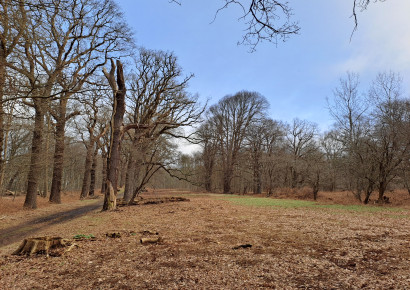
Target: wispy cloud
{"type": "Point", "coordinates": [382, 41]}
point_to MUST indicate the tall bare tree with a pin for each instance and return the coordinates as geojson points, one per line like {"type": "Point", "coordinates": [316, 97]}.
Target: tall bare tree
{"type": "Point", "coordinates": [231, 117]}
{"type": "Point", "coordinates": [390, 140]}
{"type": "Point", "coordinates": [160, 105]}
{"type": "Point", "coordinates": [300, 141]}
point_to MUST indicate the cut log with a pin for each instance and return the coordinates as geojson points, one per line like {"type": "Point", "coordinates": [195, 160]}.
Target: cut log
{"type": "Point", "coordinates": [244, 246]}
{"type": "Point", "coordinates": [153, 240]}
{"type": "Point", "coordinates": [40, 245]}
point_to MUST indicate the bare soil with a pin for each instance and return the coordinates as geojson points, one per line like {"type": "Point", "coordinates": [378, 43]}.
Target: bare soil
{"type": "Point", "coordinates": [208, 243]}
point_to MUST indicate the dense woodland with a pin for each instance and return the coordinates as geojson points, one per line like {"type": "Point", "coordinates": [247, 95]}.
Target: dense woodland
{"type": "Point", "coordinates": [83, 108]}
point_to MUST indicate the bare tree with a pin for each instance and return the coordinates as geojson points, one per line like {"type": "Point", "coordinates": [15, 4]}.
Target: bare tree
{"type": "Point", "coordinates": [272, 141]}
{"type": "Point", "coordinates": [116, 80]}
{"type": "Point", "coordinates": [95, 122]}
{"type": "Point", "coordinates": [265, 20]}
{"type": "Point", "coordinates": [208, 139]}
{"type": "Point", "coordinates": [349, 110]}
{"type": "Point", "coordinates": [300, 141]}
{"type": "Point", "coordinates": [232, 117]}
{"type": "Point", "coordinates": [160, 106]}
{"type": "Point", "coordinates": [63, 44]}
{"type": "Point", "coordinates": [390, 135]}
{"type": "Point", "coordinates": [13, 20]}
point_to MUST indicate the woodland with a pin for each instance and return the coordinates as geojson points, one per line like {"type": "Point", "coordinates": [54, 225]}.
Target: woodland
{"type": "Point", "coordinates": [83, 108]}
{"type": "Point", "coordinates": [95, 192]}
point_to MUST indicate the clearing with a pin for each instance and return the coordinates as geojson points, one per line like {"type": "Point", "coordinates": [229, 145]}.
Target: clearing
{"type": "Point", "coordinates": [294, 244]}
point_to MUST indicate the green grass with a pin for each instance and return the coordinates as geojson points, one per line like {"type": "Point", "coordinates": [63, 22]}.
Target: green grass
{"type": "Point", "coordinates": [82, 236]}
{"type": "Point", "coordinates": [289, 203]}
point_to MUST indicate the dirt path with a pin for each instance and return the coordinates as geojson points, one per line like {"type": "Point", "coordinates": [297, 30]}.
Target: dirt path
{"type": "Point", "coordinates": [15, 233]}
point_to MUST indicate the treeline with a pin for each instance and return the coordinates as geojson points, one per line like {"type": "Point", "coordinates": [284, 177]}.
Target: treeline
{"type": "Point", "coordinates": [367, 150]}
{"type": "Point", "coordinates": [75, 117]}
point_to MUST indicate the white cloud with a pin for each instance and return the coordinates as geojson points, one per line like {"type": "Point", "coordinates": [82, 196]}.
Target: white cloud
{"type": "Point", "coordinates": [382, 41]}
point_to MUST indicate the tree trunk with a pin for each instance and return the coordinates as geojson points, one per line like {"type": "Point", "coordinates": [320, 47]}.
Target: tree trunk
{"type": "Point", "coordinates": [382, 190]}
{"type": "Point", "coordinates": [227, 178]}
{"type": "Point", "coordinates": [257, 178]}
{"type": "Point", "coordinates": [110, 198]}
{"type": "Point", "coordinates": [35, 162]}
{"type": "Point", "coordinates": [130, 177]}
{"type": "Point", "coordinates": [46, 159]}
{"type": "Point", "coordinates": [209, 162]}
{"type": "Point", "coordinates": [2, 86]}
{"type": "Point", "coordinates": [369, 191]}
{"type": "Point", "coordinates": [92, 173]}
{"type": "Point", "coordinates": [87, 170]}
{"type": "Point", "coordinates": [12, 179]}
{"type": "Point", "coordinates": [316, 184]}
{"type": "Point", "coordinates": [104, 173]}
{"type": "Point", "coordinates": [59, 147]}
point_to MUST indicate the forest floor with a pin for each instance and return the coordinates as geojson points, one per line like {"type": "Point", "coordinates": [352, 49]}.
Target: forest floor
{"type": "Point", "coordinates": [212, 241]}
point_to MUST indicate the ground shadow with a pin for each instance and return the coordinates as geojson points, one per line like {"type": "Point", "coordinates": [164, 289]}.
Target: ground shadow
{"type": "Point", "coordinates": [15, 233]}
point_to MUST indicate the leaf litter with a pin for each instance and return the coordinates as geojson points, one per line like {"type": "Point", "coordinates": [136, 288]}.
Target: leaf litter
{"type": "Point", "coordinates": [291, 248]}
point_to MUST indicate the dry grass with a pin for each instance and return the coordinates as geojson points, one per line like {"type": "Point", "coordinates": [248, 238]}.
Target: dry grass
{"type": "Point", "coordinates": [292, 247]}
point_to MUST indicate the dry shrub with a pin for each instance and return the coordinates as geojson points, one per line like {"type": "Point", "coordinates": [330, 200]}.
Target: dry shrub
{"type": "Point", "coordinates": [398, 197]}
{"type": "Point", "coordinates": [293, 193]}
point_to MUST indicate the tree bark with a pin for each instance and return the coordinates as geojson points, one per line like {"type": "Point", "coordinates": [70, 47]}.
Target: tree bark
{"type": "Point", "coordinates": [257, 175]}
{"type": "Point", "coordinates": [110, 198]}
{"type": "Point", "coordinates": [130, 177]}
{"type": "Point", "coordinates": [87, 170]}
{"type": "Point", "coordinates": [35, 162]}
{"type": "Point", "coordinates": [59, 147]}
{"type": "Point", "coordinates": [92, 173]}
{"type": "Point", "coordinates": [2, 85]}
{"type": "Point", "coordinates": [104, 172]}
{"type": "Point", "coordinates": [227, 178]}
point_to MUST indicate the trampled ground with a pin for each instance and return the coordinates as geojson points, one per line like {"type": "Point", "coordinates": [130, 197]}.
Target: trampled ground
{"type": "Point", "coordinates": [295, 244]}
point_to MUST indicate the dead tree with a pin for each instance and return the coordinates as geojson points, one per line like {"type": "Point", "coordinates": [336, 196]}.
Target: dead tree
{"type": "Point", "coordinates": [117, 83]}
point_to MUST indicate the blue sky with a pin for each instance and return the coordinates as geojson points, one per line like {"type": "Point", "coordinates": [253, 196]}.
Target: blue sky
{"type": "Point", "coordinates": [295, 76]}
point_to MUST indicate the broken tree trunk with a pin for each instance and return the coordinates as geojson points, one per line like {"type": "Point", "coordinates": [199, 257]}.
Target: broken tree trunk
{"type": "Point", "coordinates": [119, 91]}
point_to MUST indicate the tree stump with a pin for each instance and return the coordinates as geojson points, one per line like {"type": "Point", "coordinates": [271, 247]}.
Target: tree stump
{"type": "Point", "coordinates": [40, 245]}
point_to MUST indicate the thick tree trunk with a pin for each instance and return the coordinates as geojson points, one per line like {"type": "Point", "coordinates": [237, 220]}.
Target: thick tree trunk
{"type": "Point", "coordinates": [87, 170]}
{"type": "Point", "coordinates": [130, 177]}
{"type": "Point", "coordinates": [59, 147]}
{"type": "Point", "coordinates": [382, 190]}
{"type": "Point", "coordinates": [92, 173]}
{"type": "Point", "coordinates": [110, 198]}
{"type": "Point", "coordinates": [104, 173]}
{"type": "Point", "coordinates": [35, 162]}
{"type": "Point", "coordinates": [2, 85]}
{"type": "Point", "coordinates": [227, 178]}
{"type": "Point", "coordinates": [122, 172]}
{"type": "Point", "coordinates": [209, 162]}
